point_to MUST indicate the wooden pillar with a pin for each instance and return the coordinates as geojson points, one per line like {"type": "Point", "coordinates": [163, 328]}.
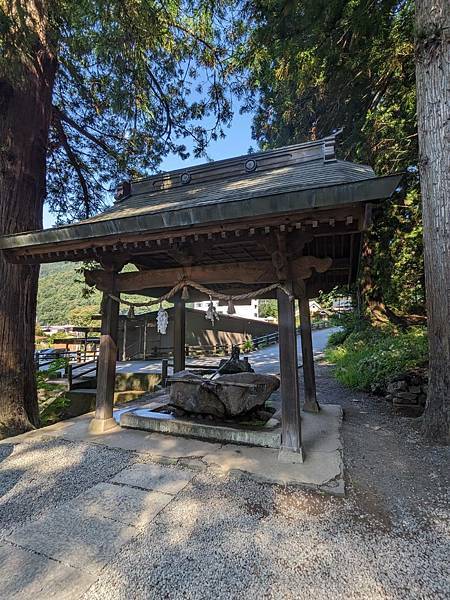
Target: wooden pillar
{"type": "Point", "coordinates": [291, 447]}
{"type": "Point", "coordinates": [179, 335]}
{"type": "Point", "coordinates": [106, 367]}
{"type": "Point", "coordinates": [309, 377]}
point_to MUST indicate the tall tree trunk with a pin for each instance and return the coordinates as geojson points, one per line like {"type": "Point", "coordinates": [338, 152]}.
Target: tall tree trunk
{"type": "Point", "coordinates": [26, 83]}
{"type": "Point", "coordinates": [370, 296]}
{"type": "Point", "coordinates": [433, 102]}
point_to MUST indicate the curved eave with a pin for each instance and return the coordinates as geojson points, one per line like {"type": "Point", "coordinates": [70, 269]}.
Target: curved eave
{"type": "Point", "coordinates": [179, 218]}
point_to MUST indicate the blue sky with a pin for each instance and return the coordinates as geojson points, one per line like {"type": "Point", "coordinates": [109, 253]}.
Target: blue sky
{"type": "Point", "coordinates": [238, 141]}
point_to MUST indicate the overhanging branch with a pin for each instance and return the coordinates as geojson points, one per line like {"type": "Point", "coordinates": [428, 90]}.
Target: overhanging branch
{"type": "Point", "coordinates": [61, 116]}
{"type": "Point", "coordinates": [74, 161]}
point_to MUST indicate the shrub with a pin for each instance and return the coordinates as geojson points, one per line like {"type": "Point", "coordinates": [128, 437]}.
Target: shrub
{"type": "Point", "coordinates": [371, 356]}
{"type": "Point", "coordinates": [337, 338]}
{"type": "Point", "coordinates": [247, 346]}
{"type": "Point", "coordinates": [348, 323]}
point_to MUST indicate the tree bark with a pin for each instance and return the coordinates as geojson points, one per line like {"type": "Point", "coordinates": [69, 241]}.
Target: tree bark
{"type": "Point", "coordinates": [371, 301]}
{"type": "Point", "coordinates": [26, 83]}
{"type": "Point", "coordinates": [433, 102]}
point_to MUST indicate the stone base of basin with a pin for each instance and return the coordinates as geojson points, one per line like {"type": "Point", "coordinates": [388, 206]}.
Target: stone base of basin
{"type": "Point", "coordinates": [151, 421]}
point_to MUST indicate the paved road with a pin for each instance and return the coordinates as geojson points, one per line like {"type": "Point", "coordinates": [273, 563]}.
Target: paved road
{"type": "Point", "coordinates": [264, 361]}
{"type": "Point", "coordinates": [268, 359]}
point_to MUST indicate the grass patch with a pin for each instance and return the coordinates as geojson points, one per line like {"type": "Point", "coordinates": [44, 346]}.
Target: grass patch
{"type": "Point", "coordinates": [367, 357]}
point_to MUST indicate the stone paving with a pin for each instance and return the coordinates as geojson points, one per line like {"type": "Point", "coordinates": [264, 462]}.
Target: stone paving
{"type": "Point", "coordinates": [60, 554]}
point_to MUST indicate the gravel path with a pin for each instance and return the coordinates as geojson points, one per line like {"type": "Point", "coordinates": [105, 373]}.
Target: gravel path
{"type": "Point", "coordinates": [38, 476]}
{"type": "Point", "coordinates": [233, 538]}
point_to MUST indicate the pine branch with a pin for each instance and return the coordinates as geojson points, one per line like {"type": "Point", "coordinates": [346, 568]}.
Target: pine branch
{"type": "Point", "coordinates": [74, 161]}
{"type": "Point", "coordinates": [160, 94]}
{"type": "Point", "coordinates": [61, 116]}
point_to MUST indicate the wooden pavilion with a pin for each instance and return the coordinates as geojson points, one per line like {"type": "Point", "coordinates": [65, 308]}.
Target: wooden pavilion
{"type": "Point", "coordinates": [291, 216]}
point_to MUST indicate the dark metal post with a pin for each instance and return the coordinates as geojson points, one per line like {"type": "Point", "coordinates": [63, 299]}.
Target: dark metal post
{"type": "Point", "coordinates": [291, 446]}
{"type": "Point", "coordinates": [124, 339]}
{"type": "Point", "coordinates": [85, 345]}
{"type": "Point", "coordinates": [164, 371]}
{"type": "Point", "coordinates": [145, 340]}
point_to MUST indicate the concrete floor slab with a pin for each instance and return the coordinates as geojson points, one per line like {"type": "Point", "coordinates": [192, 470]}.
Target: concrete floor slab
{"type": "Point", "coordinates": [154, 477]}
{"type": "Point", "coordinates": [161, 447]}
{"type": "Point", "coordinates": [320, 470]}
{"type": "Point", "coordinates": [322, 446]}
{"type": "Point", "coordinates": [127, 505]}
{"type": "Point", "coordinates": [322, 467]}
{"type": "Point", "coordinates": [26, 575]}
{"type": "Point", "coordinates": [77, 540]}
{"type": "Point", "coordinates": [322, 432]}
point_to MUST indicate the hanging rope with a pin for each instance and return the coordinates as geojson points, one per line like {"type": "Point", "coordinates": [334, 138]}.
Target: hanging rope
{"type": "Point", "coordinates": [183, 283]}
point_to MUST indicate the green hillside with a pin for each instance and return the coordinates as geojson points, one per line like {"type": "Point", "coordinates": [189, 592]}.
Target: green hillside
{"type": "Point", "coordinates": [60, 291]}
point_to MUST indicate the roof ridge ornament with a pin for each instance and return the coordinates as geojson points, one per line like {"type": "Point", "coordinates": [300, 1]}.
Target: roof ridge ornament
{"type": "Point", "coordinates": [122, 191]}
{"type": "Point", "coordinates": [329, 146]}
{"type": "Point", "coordinates": [250, 165]}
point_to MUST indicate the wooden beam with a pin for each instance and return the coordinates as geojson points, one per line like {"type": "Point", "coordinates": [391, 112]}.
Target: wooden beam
{"type": "Point", "coordinates": [309, 378]}
{"type": "Point", "coordinates": [291, 445]}
{"type": "Point", "coordinates": [179, 335]}
{"type": "Point", "coordinates": [106, 374]}
{"type": "Point", "coordinates": [254, 272]}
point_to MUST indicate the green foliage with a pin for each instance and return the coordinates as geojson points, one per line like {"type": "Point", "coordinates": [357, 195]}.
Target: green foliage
{"type": "Point", "coordinates": [82, 315]}
{"type": "Point", "coordinates": [337, 338]}
{"type": "Point", "coordinates": [51, 372]}
{"type": "Point", "coordinates": [135, 81]}
{"type": "Point", "coordinates": [60, 292]}
{"type": "Point", "coordinates": [64, 298]}
{"type": "Point", "coordinates": [52, 401]}
{"type": "Point", "coordinates": [318, 65]}
{"type": "Point", "coordinates": [268, 308]}
{"type": "Point", "coordinates": [370, 356]}
{"type": "Point", "coordinates": [51, 411]}
{"type": "Point", "coordinates": [247, 346]}
{"type": "Point", "coordinates": [348, 323]}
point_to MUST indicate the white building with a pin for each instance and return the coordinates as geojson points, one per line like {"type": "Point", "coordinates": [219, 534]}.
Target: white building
{"type": "Point", "coordinates": [343, 304]}
{"type": "Point", "coordinates": [247, 311]}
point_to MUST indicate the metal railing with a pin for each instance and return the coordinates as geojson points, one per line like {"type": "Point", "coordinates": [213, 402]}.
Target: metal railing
{"type": "Point", "coordinates": [263, 340]}
{"type": "Point", "coordinates": [42, 360]}
{"type": "Point", "coordinates": [75, 371]}
{"type": "Point", "coordinates": [273, 338]}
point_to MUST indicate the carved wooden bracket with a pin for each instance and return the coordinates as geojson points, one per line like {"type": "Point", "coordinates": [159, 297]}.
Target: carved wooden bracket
{"type": "Point", "coordinates": [302, 267]}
